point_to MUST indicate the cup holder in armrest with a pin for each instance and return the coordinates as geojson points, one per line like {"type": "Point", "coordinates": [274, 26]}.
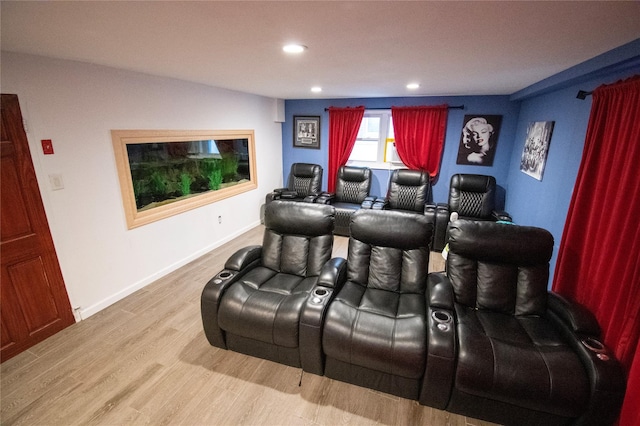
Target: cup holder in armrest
{"type": "Point", "coordinates": [443, 319]}
{"type": "Point", "coordinates": [593, 345]}
{"type": "Point", "coordinates": [223, 276]}
{"type": "Point", "coordinates": [319, 294]}
{"type": "Point", "coordinates": [597, 347]}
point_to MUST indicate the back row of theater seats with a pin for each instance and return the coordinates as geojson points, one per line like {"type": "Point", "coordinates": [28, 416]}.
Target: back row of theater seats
{"type": "Point", "coordinates": [470, 196]}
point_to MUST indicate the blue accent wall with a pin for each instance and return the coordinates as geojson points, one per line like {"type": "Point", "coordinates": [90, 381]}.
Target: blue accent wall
{"type": "Point", "coordinates": [545, 203]}
{"type": "Point", "coordinates": [494, 105]}
{"type": "Point", "coordinates": [530, 202]}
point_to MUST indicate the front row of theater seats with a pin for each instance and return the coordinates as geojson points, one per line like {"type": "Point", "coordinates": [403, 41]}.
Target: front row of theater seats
{"type": "Point", "coordinates": [485, 339]}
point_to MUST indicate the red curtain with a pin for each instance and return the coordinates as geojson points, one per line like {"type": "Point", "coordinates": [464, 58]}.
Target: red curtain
{"type": "Point", "coordinates": [344, 124]}
{"type": "Point", "coordinates": [419, 133]}
{"type": "Point", "coordinates": [599, 259]}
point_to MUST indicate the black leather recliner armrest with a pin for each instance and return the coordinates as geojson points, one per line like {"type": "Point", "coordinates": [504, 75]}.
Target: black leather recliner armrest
{"type": "Point", "coordinates": [288, 194]}
{"type": "Point", "coordinates": [441, 351]}
{"type": "Point", "coordinates": [501, 215]}
{"type": "Point", "coordinates": [430, 213]}
{"type": "Point", "coordinates": [271, 196]}
{"type": "Point", "coordinates": [311, 197]}
{"type": "Point", "coordinates": [606, 375]}
{"type": "Point", "coordinates": [235, 267]}
{"type": "Point", "coordinates": [333, 273]}
{"type": "Point", "coordinates": [441, 225]}
{"type": "Point", "coordinates": [579, 319]}
{"type": "Point", "coordinates": [330, 280]}
{"type": "Point", "coordinates": [276, 194]}
{"type": "Point", "coordinates": [380, 204]}
{"type": "Point", "coordinates": [243, 258]}
{"type": "Point", "coordinates": [367, 203]}
{"type": "Point", "coordinates": [440, 292]}
{"type": "Point", "coordinates": [325, 198]}
{"type": "Point", "coordinates": [430, 208]}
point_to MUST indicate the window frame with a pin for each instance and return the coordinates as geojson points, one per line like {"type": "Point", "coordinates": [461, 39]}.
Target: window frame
{"type": "Point", "coordinates": [379, 163]}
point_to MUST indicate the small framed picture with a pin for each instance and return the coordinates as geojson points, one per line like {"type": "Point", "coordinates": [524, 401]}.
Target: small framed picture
{"type": "Point", "coordinates": [306, 132]}
{"type": "Point", "coordinates": [536, 148]}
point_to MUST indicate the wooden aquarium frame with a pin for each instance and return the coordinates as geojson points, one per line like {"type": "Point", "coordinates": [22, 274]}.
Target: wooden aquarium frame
{"type": "Point", "coordinates": [126, 142]}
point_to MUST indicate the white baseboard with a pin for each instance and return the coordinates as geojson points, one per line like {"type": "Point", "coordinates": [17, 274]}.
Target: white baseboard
{"type": "Point", "coordinates": [84, 313]}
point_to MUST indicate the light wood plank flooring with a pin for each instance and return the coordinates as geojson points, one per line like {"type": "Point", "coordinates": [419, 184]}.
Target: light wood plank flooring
{"type": "Point", "coordinates": [145, 360]}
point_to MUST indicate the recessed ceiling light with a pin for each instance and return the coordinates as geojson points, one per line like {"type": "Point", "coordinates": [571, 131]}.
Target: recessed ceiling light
{"type": "Point", "coordinates": [316, 89]}
{"type": "Point", "coordinates": [412, 86]}
{"type": "Point", "coordinates": [294, 48]}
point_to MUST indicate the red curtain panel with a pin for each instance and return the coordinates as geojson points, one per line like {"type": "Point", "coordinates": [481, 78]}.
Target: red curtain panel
{"type": "Point", "coordinates": [599, 259]}
{"type": "Point", "coordinates": [419, 133]}
{"type": "Point", "coordinates": [344, 124]}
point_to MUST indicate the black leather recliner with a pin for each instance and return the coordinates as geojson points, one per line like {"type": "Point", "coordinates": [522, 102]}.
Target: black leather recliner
{"type": "Point", "coordinates": [305, 181]}
{"type": "Point", "coordinates": [471, 197]}
{"type": "Point", "coordinates": [484, 339]}
{"type": "Point", "coordinates": [524, 356]}
{"type": "Point", "coordinates": [375, 332]}
{"type": "Point", "coordinates": [352, 188]}
{"type": "Point", "coordinates": [270, 300]}
{"type": "Point", "coordinates": [408, 190]}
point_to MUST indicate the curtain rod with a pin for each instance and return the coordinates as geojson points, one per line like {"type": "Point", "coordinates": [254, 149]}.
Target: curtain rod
{"type": "Point", "coordinates": [582, 94]}
{"type": "Point", "coordinates": [374, 109]}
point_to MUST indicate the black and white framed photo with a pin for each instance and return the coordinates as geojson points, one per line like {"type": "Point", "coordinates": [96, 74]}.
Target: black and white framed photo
{"type": "Point", "coordinates": [536, 148]}
{"type": "Point", "coordinates": [478, 139]}
{"type": "Point", "coordinates": [306, 132]}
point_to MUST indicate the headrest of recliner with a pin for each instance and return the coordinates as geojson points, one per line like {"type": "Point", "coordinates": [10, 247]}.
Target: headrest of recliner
{"type": "Point", "coordinates": [391, 228]}
{"type": "Point", "coordinates": [305, 169]}
{"type": "Point", "coordinates": [473, 183]}
{"type": "Point", "coordinates": [354, 174]}
{"type": "Point", "coordinates": [299, 218]}
{"type": "Point", "coordinates": [410, 177]}
{"type": "Point", "coordinates": [500, 242]}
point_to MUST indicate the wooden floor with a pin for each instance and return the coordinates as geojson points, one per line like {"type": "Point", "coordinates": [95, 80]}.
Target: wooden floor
{"type": "Point", "coordinates": [145, 360]}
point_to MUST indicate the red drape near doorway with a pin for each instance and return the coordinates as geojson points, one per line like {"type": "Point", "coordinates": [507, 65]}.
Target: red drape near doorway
{"type": "Point", "coordinates": [344, 124]}
{"type": "Point", "coordinates": [419, 132]}
{"type": "Point", "coordinates": [599, 259]}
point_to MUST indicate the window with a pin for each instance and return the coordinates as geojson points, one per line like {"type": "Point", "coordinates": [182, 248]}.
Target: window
{"type": "Point", "coordinates": [375, 147]}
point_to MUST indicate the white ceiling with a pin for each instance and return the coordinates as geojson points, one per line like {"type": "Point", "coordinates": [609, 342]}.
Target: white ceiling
{"type": "Point", "coordinates": [355, 49]}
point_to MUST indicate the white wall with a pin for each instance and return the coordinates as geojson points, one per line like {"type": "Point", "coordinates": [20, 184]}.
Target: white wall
{"type": "Point", "coordinates": [77, 105]}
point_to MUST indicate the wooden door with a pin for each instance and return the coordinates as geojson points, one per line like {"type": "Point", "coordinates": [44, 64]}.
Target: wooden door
{"type": "Point", "coordinates": [33, 299]}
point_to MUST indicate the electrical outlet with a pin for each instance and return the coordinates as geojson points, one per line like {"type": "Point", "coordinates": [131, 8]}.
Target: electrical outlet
{"type": "Point", "coordinates": [56, 182]}
{"type": "Point", "coordinates": [77, 313]}
{"type": "Point", "coordinates": [219, 219]}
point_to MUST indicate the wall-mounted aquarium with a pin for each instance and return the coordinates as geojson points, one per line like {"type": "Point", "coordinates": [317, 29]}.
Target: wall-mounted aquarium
{"type": "Point", "coordinates": [166, 172]}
